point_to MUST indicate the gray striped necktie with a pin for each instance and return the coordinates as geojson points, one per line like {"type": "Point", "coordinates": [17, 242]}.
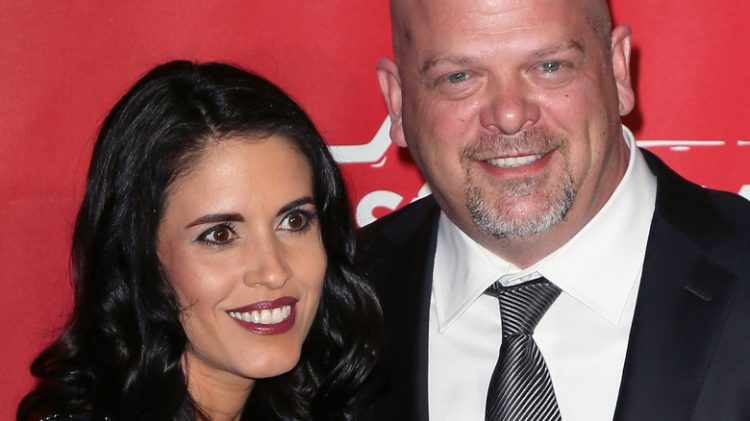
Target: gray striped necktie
{"type": "Point", "coordinates": [520, 388]}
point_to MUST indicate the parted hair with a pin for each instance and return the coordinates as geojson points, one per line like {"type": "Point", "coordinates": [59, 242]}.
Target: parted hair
{"type": "Point", "coordinates": [119, 355]}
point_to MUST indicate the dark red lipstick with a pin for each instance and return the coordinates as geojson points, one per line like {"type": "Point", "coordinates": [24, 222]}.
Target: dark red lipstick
{"type": "Point", "coordinates": [251, 316]}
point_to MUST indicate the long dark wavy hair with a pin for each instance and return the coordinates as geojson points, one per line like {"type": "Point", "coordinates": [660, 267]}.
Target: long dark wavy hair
{"type": "Point", "coordinates": [119, 355]}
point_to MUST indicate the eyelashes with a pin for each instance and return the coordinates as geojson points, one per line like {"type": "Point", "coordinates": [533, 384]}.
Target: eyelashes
{"type": "Point", "coordinates": [218, 235]}
{"type": "Point", "coordinates": [296, 222]}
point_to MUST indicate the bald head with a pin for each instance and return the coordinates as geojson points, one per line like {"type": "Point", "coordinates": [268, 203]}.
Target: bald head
{"type": "Point", "coordinates": [407, 13]}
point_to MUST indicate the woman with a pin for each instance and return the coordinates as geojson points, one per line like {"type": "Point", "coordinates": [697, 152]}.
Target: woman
{"type": "Point", "coordinates": [212, 264]}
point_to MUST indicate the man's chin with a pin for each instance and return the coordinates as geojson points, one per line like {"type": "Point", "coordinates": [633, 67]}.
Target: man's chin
{"type": "Point", "coordinates": [518, 218]}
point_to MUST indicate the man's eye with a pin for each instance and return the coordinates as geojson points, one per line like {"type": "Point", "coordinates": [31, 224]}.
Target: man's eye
{"type": "Point", "coordinates": [551, 66]}
{"type": "Point", "coordinates": [296, 221]}
{"type": "Point", "coordinates": [458, 77]}
{"type": "Point", "coordinates": [219, 234]}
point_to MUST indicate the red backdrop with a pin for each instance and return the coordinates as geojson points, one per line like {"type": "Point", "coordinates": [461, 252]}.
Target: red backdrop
{"type": "Point", "coordinates": [64, 64]}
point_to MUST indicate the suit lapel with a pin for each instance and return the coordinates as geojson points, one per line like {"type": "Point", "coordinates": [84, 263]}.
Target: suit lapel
{"type": "Point", "coordinates": [682, 305]}
{"type": "Point", "coordinates": [406, 306]}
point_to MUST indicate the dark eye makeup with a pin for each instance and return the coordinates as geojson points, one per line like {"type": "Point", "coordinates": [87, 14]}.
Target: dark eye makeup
{"type": "Point", "coordinates": [219, 234]}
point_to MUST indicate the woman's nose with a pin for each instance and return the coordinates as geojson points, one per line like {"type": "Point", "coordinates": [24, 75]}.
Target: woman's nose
{"type": "Point", "coordinates": [267, 264]}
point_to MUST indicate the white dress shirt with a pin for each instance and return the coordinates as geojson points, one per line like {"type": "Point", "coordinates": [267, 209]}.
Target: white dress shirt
{"type": "Point", "coordinates": [583, 336]}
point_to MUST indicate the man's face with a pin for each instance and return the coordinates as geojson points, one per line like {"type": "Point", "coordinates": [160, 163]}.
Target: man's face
{"type": "Point", "coordinates": [511, 109]}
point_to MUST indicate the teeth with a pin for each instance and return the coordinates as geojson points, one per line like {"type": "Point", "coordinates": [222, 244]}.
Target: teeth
{"type": "Point", "coordinates": [515, 161]}
{"type": "Point", "coordinates": [276, 315]}
{"type": "Point", "coordinates": [263, 317]}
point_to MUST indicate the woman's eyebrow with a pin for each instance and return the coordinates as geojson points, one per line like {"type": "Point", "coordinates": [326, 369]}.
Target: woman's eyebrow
{"type": "Point", "coordinates": [307, 200]}
{"type": "Point", "coordinates": [213, 218]}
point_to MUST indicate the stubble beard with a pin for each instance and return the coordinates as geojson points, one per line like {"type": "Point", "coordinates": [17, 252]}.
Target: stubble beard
{"type": "Point", "coordinates": [494, 209]}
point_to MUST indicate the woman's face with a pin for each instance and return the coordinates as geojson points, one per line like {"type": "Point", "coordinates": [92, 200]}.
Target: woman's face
{"type": "Point", "coordinates": [240, 242]}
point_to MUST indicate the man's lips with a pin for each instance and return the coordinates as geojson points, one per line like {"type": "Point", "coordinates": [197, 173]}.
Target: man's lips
{"type": "Point", "coordinates": [514, 161]}
{"type": "Point", "coordinates": [265, 312]}
{"type": "Point", "coordinates": [517, 164]}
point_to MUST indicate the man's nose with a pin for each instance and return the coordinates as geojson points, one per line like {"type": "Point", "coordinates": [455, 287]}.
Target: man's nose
{"type": "Point", "coordinates": [267, 264]}
{"type": "Point", "coordinates": [509, 107]}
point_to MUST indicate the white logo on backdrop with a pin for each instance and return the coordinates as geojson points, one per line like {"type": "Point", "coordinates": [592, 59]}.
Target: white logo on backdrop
{"type": "Point", "coordinates": [373, 153]}
{"type": "Point", "coordinates": [679, 145]}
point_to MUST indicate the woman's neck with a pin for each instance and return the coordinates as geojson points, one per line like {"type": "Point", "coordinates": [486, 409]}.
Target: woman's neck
{"type": "Point", "coordinates": [218, 394]}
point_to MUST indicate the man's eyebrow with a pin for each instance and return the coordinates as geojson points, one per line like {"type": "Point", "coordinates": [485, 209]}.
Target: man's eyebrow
{"type": "Point", "coordinates": [558, 48]}
{"type": "Point", "coordinates": [434, 60]}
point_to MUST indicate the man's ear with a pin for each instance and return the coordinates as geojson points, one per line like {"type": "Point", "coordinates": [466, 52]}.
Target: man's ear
{"type": "Point", "coordinates": [621, 68]}
{"type": "Point", "coordinates": [390, 86]}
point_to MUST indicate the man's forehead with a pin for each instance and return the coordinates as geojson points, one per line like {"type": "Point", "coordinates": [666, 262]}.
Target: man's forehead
{"type": "Point", "coordinates": [407, 11]}
{"type": "Point", "coordinates": [408, 16]}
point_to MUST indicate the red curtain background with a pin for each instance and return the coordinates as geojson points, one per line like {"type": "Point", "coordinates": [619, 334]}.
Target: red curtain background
{"type": "Point", "coordinates": [64, 64]}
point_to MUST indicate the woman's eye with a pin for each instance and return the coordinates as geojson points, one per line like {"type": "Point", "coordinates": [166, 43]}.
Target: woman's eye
{"type": "Point", "coordinates": [219, 234]}
{"type": "Point", "coordinates": [296, 221]}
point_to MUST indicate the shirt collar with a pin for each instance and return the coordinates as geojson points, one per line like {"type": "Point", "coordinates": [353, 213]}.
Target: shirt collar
{"type": "Point", "coordinates": [598, 267]}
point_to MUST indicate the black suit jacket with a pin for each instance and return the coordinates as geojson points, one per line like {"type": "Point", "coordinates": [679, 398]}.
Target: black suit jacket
{"type": "Point", "coordinates": [689, 352]}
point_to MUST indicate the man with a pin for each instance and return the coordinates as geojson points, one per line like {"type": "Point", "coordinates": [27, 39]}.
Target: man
{"type": "Point", "coordinates": [511, 109]}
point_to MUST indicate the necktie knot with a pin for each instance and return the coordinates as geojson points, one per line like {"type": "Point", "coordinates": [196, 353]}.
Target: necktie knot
{"type": "Point", "coordinates": [522, 306]}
